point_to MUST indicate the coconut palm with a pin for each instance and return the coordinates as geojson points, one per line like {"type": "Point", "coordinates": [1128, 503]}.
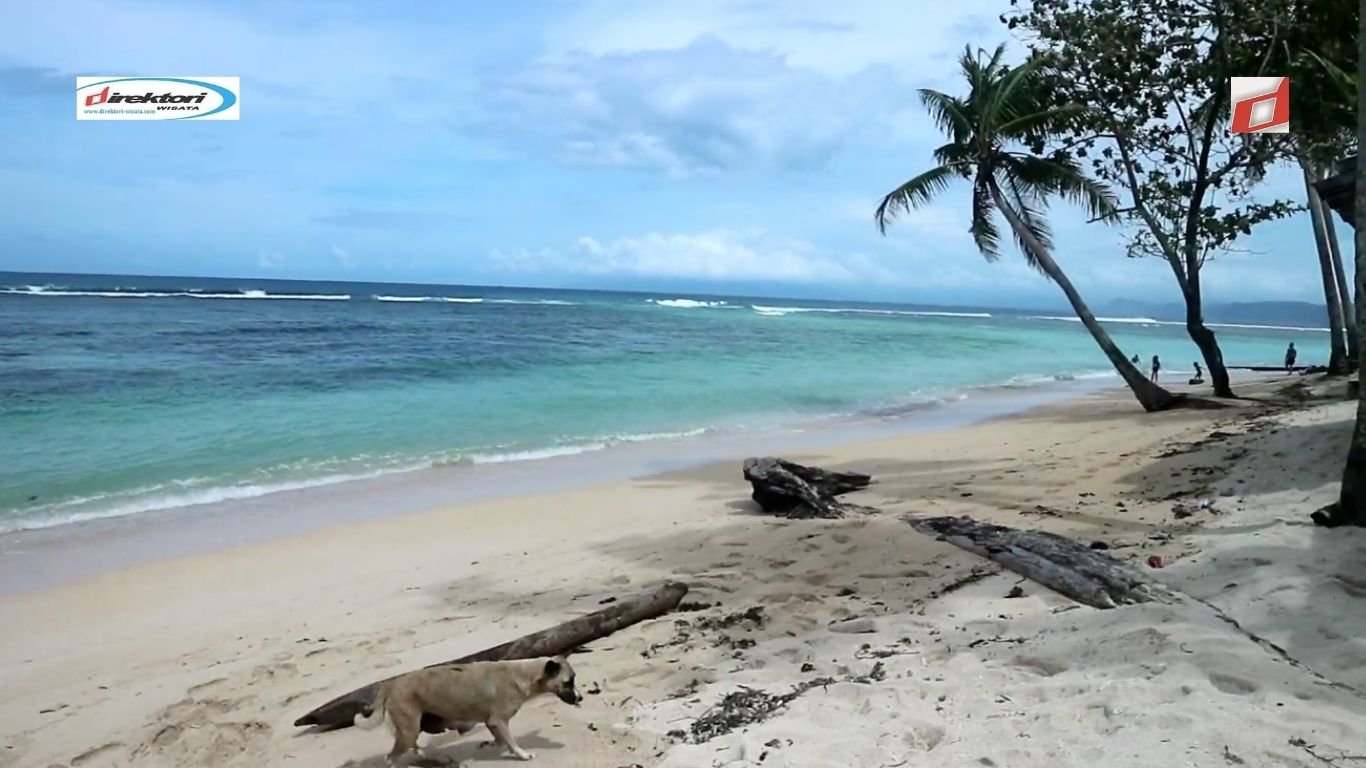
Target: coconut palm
{"type": "Point", "coordinates": [1006, 111]}
{"type": "Point", "coordinates": [1333, 300]}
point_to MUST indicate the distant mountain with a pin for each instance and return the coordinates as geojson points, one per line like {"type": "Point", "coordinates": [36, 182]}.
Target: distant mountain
{"type": "Point", "coordinates": [1300, 314]}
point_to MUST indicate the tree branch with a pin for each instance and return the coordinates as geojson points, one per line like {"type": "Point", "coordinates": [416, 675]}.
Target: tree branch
{"type": "Point", "coordinates": [1136, 193]}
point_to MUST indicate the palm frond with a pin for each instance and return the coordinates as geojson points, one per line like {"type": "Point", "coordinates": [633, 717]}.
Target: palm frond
{"type": "Point", "coordinates": [1029, 208]}
{"type": "Point", "coordinates": [1064, 177]}
{"type": "Point", "coordinates": [1016, 92]}
{"type": "Point", "coordinates": [1044, 122]}
{"type": "Point", "coordinates": [949, 113]}
{"type": "Point", "coordinates": [983, 229]}
{"type": "Point", "coordinates": [1344, 81]}
{"type": "Point", "coordinates": [956, 155]}
{"type": "Point", "coordinates": [913, 194]}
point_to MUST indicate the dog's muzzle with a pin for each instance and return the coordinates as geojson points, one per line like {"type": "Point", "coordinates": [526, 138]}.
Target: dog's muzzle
{"type": "Point", "coordinates": [570, 697]}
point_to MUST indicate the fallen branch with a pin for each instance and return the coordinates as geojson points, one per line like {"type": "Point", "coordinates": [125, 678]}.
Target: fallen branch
{"type": "Point", "coordinates": [795, 491]}
{"type": "Point", "coordinates": [562, 638]}
{"type": "Point", "coordinates": [1073, 569]}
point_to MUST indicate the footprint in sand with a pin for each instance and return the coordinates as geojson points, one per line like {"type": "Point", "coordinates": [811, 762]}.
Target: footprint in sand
{"type": "Point", "coordinates": [205, 687]}
{"type": "Point", "coordinates": [793, 597]}
{"type": "Point", "coordinates": [1234, 686]}
{"type": "Point", "coordinates": [1352, 586]}
{"type": "Point", "coordinates": [272, 671]}
{"type": "Point", "coordinates": [924, 736]}
{"type": "Point", "coordinates": [100, 756]}
{"type": "Point", "coordinates": [1040, 666]}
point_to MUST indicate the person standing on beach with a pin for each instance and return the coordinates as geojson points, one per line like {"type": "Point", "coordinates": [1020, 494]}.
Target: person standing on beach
{"type": "Point", "coordinates": [1199, 374]}
{"type": "Point", "coordinates": [1290, 355]}
{"type": "Point", "coordinates": [1157, 366]}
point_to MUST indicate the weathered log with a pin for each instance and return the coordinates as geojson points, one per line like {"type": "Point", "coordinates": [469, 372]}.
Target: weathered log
{"type": "Point", "coordinates": [792, 490]}
{"type": "Point", "coordinates": [561, 638]}
{"type": "Point", "coordinates": [1086, 575]}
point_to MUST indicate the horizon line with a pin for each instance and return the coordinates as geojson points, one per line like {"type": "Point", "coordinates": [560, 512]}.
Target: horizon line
{"type": "Point", "coordinates": [644, 292]}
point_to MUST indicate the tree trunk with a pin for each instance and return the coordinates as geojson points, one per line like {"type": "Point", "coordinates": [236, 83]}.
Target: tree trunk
{"type": "Point", "coordinates": [1149, 395]}
{"type": "Point", "coordinates": [561, 638]}
{"type": "Point", "coordinates": [1350, 508]}
{"type": "Point", "coordinates": [794, 491]}
{"type": "Point", "coordinates": [1204, 338]}
{"type": "Point", "coordinates": [1345, 299]}
{"type": "Point", "coordinates": [1090, 577]}
{"type": "Point", "coordinates": [1337, 358]}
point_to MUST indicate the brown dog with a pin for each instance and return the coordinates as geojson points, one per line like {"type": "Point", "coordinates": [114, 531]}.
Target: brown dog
{"type": "Point", "coordinates": [488, 692]}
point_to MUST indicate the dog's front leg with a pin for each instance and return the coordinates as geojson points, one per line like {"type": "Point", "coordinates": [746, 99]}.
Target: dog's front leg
{"type": "Point", "coordinates": [503, 734]}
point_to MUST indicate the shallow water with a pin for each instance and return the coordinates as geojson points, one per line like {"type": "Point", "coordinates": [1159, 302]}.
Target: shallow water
{"type": "Point", "coordinates": [127, 395]}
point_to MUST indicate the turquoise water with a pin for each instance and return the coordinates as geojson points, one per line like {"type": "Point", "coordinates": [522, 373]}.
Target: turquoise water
{"type": "Point", "coordinates": [124, 395]}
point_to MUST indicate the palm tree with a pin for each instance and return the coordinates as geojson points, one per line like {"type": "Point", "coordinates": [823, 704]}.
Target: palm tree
{"type": "Point", "coordinates": [1350, 508]}
{"type": "Point", "coordinates": [1008, 107]}
{"type": "Point", "coordinates": [1345, 296]}
{"type": "Point", "coordinates": [1337, 358]}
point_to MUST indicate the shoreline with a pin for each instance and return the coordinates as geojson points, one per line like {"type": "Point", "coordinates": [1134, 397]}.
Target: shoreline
{"type": "Point", "coordinates": [206, 659]}
{"type": "Point", "coordinates": [39, 557]}
{"type": "Point", "coordinates": [113, 505]}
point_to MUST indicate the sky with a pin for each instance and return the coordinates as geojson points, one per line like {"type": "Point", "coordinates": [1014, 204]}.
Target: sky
{"type": "Point", "coordinates": [698, 146]}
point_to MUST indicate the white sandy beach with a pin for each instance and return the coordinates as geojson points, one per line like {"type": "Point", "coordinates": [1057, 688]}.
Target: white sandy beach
{"type": "Point", "coordinates": [205, 660]}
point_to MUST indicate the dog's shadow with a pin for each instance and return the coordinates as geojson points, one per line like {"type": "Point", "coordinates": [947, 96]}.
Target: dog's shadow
{"type": "Point", "coordinates": [449, 750]}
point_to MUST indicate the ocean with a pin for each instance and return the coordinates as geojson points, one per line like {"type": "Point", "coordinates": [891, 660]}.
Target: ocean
{"type": "Point", "coordinates": [123, 395]}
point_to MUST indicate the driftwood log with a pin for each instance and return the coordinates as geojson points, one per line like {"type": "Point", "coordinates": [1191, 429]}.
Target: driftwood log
{"type": "Point", "coordinates": [792, 490]}
{"type": "Point", "coordinates": [561, 638]}
{"type": "Point", "coordinates": [1073, 569]}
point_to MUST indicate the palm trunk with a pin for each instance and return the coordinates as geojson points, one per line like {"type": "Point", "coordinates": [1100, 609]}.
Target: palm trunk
{"type": "Point", "coordinates": [1350, 508]}
{"type": "Point", "coordinates": [1337, 357]}
{"type": "Point", "coordinates": [1149, 395]}
{"type": "Point", "coordinates": [1349, 315]}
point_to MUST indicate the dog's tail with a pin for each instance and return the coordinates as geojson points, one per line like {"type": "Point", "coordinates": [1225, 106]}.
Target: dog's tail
{"type": "Point", "coordinates": [373, 714]}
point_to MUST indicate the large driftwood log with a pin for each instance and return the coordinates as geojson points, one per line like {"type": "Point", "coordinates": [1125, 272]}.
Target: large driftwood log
{"type": "Point", "coordinates": [561, 638]}
{"type": "Point", "coordinates": [793, 490]}
{"type": "Point", "coordinates": [1088, 576]}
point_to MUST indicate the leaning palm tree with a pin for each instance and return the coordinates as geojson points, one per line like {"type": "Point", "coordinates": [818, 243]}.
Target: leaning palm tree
{"type": "Point", "coordinates": [1007, 109]}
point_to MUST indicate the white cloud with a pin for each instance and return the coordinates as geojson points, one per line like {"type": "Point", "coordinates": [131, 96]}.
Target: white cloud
{"type": "Point", "coordinates": [719, 255]}
{"type": "Point", "coordinates": [700, 109]}
{"type": "Point", "coordinates": [834, 39]}
{"type": "Point", "coordinates": [713, 85]}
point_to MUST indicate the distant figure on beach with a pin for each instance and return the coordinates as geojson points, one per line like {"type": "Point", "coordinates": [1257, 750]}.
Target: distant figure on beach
{"type": "Point", "coordinates": [1135, 360]}
{"type": "Point", "coordinates": [1290, 355]}
{"type": "Point", "coordinates": [1157, 366]}
{"type": "Point", "coordinates": [1199, 374]}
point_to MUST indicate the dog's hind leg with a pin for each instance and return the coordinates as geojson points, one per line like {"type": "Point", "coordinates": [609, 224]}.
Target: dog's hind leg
{"type": "Point", "coordinates": [407, 727]}
{"type": "Point", "coordinates": [503, 734]}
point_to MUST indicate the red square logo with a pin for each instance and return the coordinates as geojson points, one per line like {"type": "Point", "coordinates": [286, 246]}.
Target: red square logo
{"type": "Point", "coordinates": [1260, 104]}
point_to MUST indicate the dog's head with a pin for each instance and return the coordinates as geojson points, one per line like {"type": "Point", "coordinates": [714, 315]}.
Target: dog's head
{"type": "Point", "coordinates": [557, 677]}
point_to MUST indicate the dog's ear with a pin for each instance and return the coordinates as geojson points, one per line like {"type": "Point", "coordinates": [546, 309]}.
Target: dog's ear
{"type": "Point", "coordinates": [552, 667]}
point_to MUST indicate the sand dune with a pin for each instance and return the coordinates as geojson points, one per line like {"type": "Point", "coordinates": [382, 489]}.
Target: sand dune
{"type": "Point", "coordinates": [206, 660]}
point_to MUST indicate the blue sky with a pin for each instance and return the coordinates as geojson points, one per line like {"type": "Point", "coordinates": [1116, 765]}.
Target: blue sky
{"type": "Point", "coordinates": [703, 146]}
